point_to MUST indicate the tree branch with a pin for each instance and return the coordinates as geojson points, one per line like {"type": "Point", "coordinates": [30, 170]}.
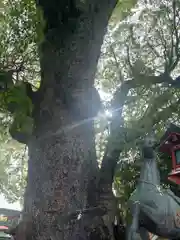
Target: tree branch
{"type": "Point", "coordinates": [110, 157]}
{"type": "Point", "coordinates": [118, 134]}
{"type": "Point", "coordinates": [175, 46]}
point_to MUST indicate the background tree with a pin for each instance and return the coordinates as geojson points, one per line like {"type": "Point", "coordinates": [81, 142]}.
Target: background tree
{"type": "Point", "coordinates": [145, 55]}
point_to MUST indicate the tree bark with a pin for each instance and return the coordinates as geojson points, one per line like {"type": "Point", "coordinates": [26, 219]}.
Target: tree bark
{"type": "Point", "coordinates": [62, 158]}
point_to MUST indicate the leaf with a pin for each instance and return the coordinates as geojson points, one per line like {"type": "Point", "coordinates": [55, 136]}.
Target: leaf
{"type": "Point", "coordinates": [23, 123]}
{"type": "Point", "coordinates": [21, 102]}
{"type": "Point", "coordinates": [122, 10]}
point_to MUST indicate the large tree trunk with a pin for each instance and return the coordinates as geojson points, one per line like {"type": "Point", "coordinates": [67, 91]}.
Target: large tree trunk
{"type": "Point", "coordinates": [62, 167]}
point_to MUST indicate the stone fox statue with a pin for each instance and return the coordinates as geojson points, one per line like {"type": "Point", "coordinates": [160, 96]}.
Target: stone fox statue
{"type": "Point", "coordinates": [153, 208]}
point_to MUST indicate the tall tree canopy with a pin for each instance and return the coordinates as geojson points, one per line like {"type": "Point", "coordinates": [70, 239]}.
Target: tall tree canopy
{"type": "Point", "coordinates": [49, 53]}
{"type": "Point", "coordinates": [143, 52]}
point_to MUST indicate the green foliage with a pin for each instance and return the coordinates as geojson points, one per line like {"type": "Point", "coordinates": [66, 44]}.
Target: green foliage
{"type": "Point", "coordinates": [21, 32]}
{"type": "Point", "coordinates": [21, 26]}
{"type": "Point", "coordinates": [5, 79]}
{"type": "Point", "coordinates": [122, 10]}
{"type": "Point", "coordinates": [16, 97]}
{"type": "Point", "coordinates": [13, 170]}
{"type": "Point", "coordinates": [16, 101]}
{"type": "Point", "coordinates": [139, 49]}
{"type": "Point", "coordinates": [22, 124]}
